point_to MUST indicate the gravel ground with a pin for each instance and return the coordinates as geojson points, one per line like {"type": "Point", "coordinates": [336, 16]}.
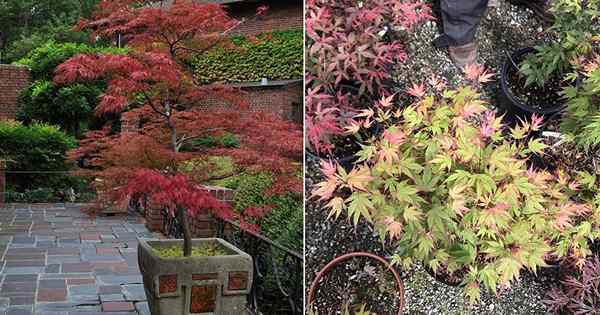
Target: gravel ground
{"type": "Point", "coordinates": [504, 29]}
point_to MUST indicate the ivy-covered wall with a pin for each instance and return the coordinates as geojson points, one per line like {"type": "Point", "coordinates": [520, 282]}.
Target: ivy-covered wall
{"type": "Point", "coordinates": [277, 55]}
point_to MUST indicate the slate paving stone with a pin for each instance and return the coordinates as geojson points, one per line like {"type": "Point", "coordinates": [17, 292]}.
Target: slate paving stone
{"type": "Point", "coordinates": [142, 308]}
{"type": "Point", "coordinates": [109, 289]}
{"type": "Point", "coordinates": [80, 281]}
{"type": "Point", "coordinates": [83, 289]}
{"type": "Point", "coordinates": [52, 295]}
{"type": "Point", "coordinates": [18, 311]}
{"type": "Point", "coordinates": [134, 292]}
{"type": "Point", "coordinates": [22, 270]}
{"type": "Point", "coordinates": [63, 259]}
{"type": "Point", "coordinates": [117, 306]}
{"type": "Point", "coordinates": [52, 268]}
{"type": "Point", "coordinates": [112, 298]}
{"type": "Point", "coordinates": [111, 279]}
{"type": "Point", "coordinates": [66, 263]}
{"type": "Point", "coordinates": [84, 266]}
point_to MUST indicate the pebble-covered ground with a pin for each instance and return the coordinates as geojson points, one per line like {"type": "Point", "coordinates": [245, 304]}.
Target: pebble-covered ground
{"type": "Point", "coordinates": [504, 29]}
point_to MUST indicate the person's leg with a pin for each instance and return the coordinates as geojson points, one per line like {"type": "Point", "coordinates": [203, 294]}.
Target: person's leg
{"type": "Point", "coordinates": [460, 20]}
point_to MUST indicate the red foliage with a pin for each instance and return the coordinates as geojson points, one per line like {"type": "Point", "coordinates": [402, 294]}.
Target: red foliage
{"type": "Point", "coordinates": [349, 57]}
{"type": "Point", "coordinates": [152, 86]}
{"type": "Point", "coordinates": [175, 191]}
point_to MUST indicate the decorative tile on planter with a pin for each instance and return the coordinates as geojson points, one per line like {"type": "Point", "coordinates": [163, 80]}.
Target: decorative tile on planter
{"type": "Point", "coordinates": [238, 280]}
{"type": "Point", "coordinates": [167, 284]}
{"type": "Point", "coordinates": [203, 299]}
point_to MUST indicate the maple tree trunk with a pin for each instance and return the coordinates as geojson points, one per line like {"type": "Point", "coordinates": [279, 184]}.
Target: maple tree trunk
{"type": "Point", "coordinates": [172, 128]}
{"type": "Point", "coordinates": [187, 235]}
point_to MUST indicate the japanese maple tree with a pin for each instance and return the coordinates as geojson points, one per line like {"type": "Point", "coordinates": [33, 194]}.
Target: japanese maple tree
{"type": "Point", "coordinates": [152, 85]}
{"type": "Point", "coordinates": [351, 48]}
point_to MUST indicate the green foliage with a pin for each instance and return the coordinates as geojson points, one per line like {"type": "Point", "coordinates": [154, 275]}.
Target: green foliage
{"type": "Point", "coordinates": [69, 106]}
{"type": "Point", "coordinates": [276, 56]}
{"type": "Point", "coordinates": [284, 222]}
{"type": "Point", "coordinates": [575, 25]}
{"type": "Point", "coordinates": [581, 120]}
{"type": "Point", "coordinates": [208, 168]}
{"type": "Point", "coordinates": [27, 24]}
{"type": "Point", "coordinates": [38, 147]}
{"type": "Point", "coordinates": [226, 140]}
{"type": "Point", "coordinates": [197, 251]}
{"type": "Point", "coordinates": [452, 187]}
{"type": "Point", "coordinates": [43, 60]}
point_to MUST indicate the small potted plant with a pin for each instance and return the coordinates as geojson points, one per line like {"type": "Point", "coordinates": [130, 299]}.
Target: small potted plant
{"type": "Point", "coordinates": [189, 276]}
{"type": "Point", "coordinates": [532, 79]}
{"type": "Point", "coordinates": [368, 271]}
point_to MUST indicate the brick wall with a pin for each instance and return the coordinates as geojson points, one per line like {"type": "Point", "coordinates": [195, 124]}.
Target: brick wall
{"type": "Point", "coordinates": [202, 225]}
{"type": "Point", "coordinates": [13, 79]}
{"type": "Point", "coordinates": [282, 15]}
{"type": "Point", "coordinates": [284, 101]}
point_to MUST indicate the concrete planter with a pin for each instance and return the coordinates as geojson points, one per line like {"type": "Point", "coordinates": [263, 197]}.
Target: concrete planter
{"type": "Point", "coordinates": [195, 285]}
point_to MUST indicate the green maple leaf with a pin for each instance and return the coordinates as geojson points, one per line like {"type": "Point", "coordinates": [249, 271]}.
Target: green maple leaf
{"type": "Point", "coordinates": [359, 205]}
{"type": "Point", "coordinates": [536, 146]}
{"type": "Point", "coordinates": [508, 268]}
{"type": "Point", "coordinates": [463, 253]}
{"type": "Point", "coordinates": [489, 278]}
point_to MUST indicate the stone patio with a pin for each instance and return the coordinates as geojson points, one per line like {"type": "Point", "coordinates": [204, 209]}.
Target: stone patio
{"type": "Point", "coordinates": [57, 260]}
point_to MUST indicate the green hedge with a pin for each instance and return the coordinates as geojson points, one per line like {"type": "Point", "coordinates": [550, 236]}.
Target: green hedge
{"type": "Point", "coordinates": [38, 147]}
{"type": "Point", "coordinates": [276, 56]}
{"type": "Point", "coordinates": [43, 60]}
{"type": "Point", "coordinates": [69, 106]}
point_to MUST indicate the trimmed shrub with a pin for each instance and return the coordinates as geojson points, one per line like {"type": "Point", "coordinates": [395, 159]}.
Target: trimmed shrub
{"type": "Point", "coordinates": [68, 106]}
{"type": "Point", "coordinates": [38, 147]}
{"type": "Point", "coordinates": [276, 56]}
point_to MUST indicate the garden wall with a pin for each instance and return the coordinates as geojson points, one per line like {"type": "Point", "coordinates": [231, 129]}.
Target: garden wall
{"type": "Point", "coordinates": [284, 100]}
{"type": "Point", "coordinates": [13, 79]}
{"type": "Point", "coordinates": [201, 226]}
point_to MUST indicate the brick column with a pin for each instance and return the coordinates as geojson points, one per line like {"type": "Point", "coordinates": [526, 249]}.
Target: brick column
{"type": "Point", "coordinates": [2, 182]}
{"type": "Point", "coordinates": [203, 225]}
{"type": "Point", "coordinates": [154, 218]}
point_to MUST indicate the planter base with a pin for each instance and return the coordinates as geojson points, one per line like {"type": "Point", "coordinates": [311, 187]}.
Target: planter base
{"type": "Point", "coordinates": [195, 285]}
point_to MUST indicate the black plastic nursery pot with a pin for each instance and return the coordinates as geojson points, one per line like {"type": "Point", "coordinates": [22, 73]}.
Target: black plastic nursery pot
{"type": "Point", "coordinates": [511, 103]}
{"type": "Point", "coordinates": [216, 285]}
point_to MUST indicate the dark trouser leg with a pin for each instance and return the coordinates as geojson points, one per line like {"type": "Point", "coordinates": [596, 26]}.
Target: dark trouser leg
{"type": "Point", "coordinates": [461, 18]}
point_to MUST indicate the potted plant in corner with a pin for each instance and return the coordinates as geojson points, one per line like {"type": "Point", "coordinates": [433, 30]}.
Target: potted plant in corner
{"type": "Point", "coordinates": [532, 79]}
{"type": "Point", "coordinates": [189, 276]}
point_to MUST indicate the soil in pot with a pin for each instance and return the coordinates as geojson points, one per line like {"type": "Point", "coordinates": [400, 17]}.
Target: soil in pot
{"type": "Point", "coordinates": [357, 281]}
{"type": "Point", "coordinates": [202, 250]}
{"type": "Point", "coordinates": [538, 98]}
{"type": "Point", "coordinates": [446, 277]}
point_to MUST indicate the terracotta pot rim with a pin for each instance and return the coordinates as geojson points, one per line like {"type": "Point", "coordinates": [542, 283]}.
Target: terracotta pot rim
{"type": "Point", "coordinates": [336, 261]}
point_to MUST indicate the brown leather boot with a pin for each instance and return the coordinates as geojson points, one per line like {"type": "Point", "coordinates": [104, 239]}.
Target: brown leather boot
{"type": "Point", "coordinates": [463, 55]}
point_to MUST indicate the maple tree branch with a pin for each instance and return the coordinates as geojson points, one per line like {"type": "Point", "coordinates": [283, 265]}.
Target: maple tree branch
{"type": "Point", "coordinates": [185, 138]}
{"type": "Point", "coordinates": [151, 104]}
